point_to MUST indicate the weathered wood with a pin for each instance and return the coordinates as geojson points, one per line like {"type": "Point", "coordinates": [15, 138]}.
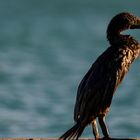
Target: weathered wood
{"type": "Point", "coordinates": [57, 139]}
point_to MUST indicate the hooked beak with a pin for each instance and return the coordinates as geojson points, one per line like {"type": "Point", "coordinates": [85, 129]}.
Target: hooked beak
{"type": "Point", "coordinates": [136, 25]}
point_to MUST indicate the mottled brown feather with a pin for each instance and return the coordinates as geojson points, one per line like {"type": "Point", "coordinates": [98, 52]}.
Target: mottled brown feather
{"type": "Point", "coordinates": [95, 92]}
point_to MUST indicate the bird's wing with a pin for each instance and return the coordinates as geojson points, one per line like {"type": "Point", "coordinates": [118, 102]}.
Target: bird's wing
{"type": "Point", "coordinates": [100, 79]}
{"type": "Point", "coordinates": [80, 93]}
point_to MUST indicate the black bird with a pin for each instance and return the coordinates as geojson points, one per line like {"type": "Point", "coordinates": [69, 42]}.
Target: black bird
{"type": "Point", "coordinates": [95, 92]}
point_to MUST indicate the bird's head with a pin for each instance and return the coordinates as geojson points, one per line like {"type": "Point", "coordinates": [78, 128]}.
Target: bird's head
{"type": "Point", "coordinates": [121, 22]}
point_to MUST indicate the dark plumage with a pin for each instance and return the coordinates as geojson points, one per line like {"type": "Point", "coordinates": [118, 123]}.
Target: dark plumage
{"type": "Point", "coordinates": [96, 90]}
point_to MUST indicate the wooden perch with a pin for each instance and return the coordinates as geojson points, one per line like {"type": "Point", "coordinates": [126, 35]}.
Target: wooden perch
{"type": "Point", "coordinates": [57, 139]}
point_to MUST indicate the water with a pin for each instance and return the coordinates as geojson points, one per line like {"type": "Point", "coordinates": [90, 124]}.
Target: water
{"type": "Point", "coordinates": [46, 47]}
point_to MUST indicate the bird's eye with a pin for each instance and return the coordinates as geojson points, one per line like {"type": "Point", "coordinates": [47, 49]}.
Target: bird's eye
{"type": "Point", "coordinates": [126, 21]}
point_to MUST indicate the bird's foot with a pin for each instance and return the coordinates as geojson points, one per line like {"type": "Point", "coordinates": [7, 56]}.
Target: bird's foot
{"type": "Point", "coordinates": [98, 138]}
{"type": "Point", "coordinates": [106, 138]}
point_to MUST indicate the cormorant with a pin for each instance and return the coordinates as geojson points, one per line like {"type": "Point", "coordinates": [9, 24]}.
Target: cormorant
{"type": "Point", "coordinates": [96, 89]}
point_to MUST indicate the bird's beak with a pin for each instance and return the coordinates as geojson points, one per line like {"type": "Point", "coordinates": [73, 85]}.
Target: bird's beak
{"type": "Point", "coordinates": [136, 25]}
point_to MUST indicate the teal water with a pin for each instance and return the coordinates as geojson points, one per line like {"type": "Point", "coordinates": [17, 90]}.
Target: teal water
{"type": "Point", "coordinates": [46, 47]}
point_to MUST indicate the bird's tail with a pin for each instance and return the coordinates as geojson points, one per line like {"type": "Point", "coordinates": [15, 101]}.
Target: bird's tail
{"type": "Point", "coordinates": [73, 133]}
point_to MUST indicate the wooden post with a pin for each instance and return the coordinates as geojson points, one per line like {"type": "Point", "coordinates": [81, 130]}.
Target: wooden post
{"type": "Point", "coordinates": [57, 139]}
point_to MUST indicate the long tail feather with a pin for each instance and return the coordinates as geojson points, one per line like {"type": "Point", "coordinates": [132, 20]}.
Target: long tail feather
{"type": "Point", "coordinates": [73, 133]}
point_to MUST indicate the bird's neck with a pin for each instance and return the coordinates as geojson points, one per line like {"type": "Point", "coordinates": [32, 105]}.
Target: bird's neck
{"type": "Point", "coordinates": [119, 39]}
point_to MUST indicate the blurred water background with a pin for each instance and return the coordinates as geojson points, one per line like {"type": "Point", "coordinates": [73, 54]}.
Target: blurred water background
{"type": "Point", "coordinates": [46, 47]}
